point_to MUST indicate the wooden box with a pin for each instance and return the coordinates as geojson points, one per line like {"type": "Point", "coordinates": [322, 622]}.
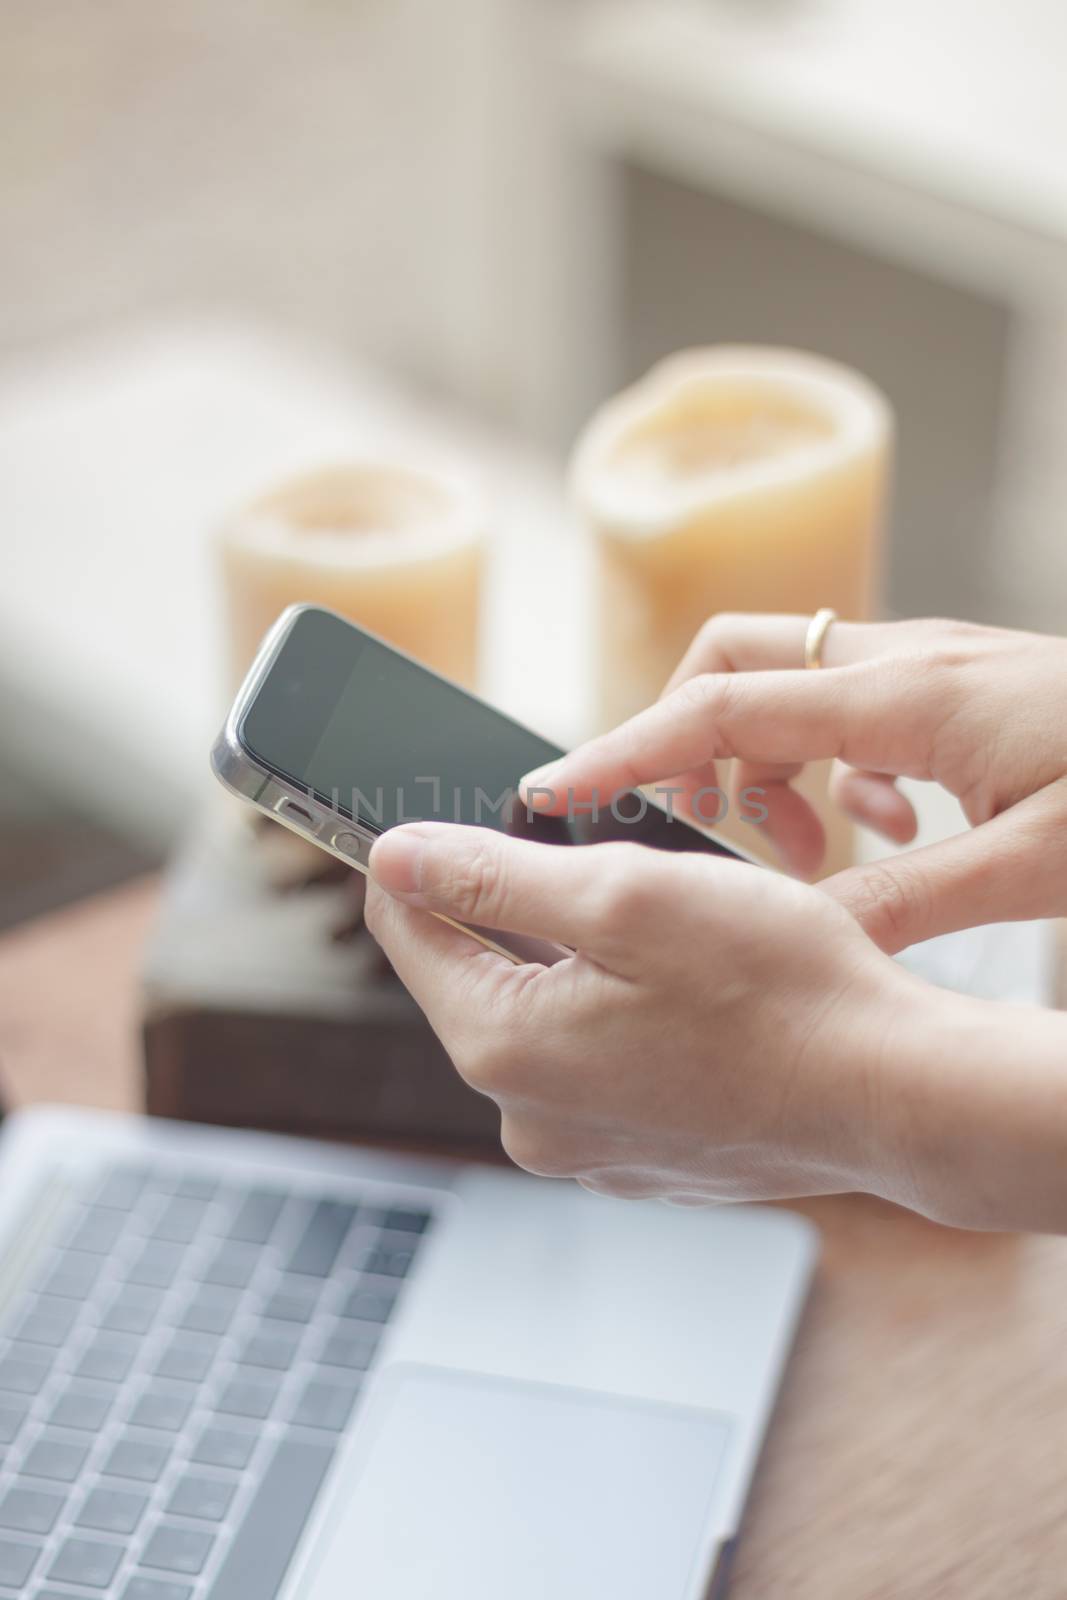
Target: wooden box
{"type": "Point", "coordinates": [267, 1005]}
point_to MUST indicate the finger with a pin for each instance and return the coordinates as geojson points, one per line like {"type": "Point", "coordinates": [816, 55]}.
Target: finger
{"type": "Point", "coordinates": [873, 799]}
{"type": "Point", "coordinates": [753, 642]}
{"type": "Point", "coordinates": [740, 642]}
{"type": "Point", "coordinates": [1006, 870]}
{"type": "Point", "coordinates": [577, 898]}
{"type": "Point", "coordinates": [448, 974]}
{"type": "Point", "coordinates": [791, 822]}
{"type": "Point", "coordinates": [875, 715]}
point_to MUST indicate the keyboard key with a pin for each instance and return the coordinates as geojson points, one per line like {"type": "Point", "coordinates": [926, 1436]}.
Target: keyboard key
{"type": "Point", "coordinates": [175, 1549]}
{"type": "Point", "coordinates": [187, 1359]}
{"type": "Point", "coordinates": [155, 1589]}
{"type": "Point", "coordinates": [322, 1239]}
{"type": "Point", "coordinates": [209, 1313]}
{"type": "Point", "coordinates": [55, 1458]}
{"type": "Point", "coordinates": [140, 1459]}
{"type": "Point", "coordinates": [161, 1408]}
{"type": "Point", "coordinates": [224, 1447]}
{"type": "Point", "coordinates": [97, 1230]}
{"type": "Point", "coordinates": [30, 1510]}
{"type": "Point", "coordinates": [244, 1398]}
{"type": "Point", "coordinates": [369, 1305]}
{"type": "Point", "coordinates": [12, 1416]}
{"type": "Point", "coordinates": [233, 1267]}
{"type": "Point", "coordinates": [199, 1496]}
{"type": "Point", "coordinates": [179, 1220]}
{"type": "Point", "coordinates": [48, 1321]}
{"type": "Point", "coordinates": [86, 1561]}
{"type": "Point", "coordinates": [345, 1349]}
{"type": "Point", "coordinates": [133, 1310]}
{"type": "Point", "coordinates": [273, 1351]}
{"type": "Point", "coordinates": [385, 1261]}
{"type": "Point", "coordinates": [293, 1304]}
{"type": "Point", "coordinates": [109, 1359]}
{"type": "Point", "coordinates": [256, 1218]}
{"type": "Point", "coordinates": [263, 1545]}
{"type": "Point", "coordinates": [24, 1369]}
{"type": "Point", "coordinates": [195, 1187]}
{"type": "Point", "coordinates": [77, 1408]}
{"type": "Point", "coordinates": [17, 1561]}
{"type": "Point", "coordinates": [157, 1265]}
{"type": "Point", "coordinates": [403, 1221]}
{"type": "Point", "coordinates": [112, 1510]}
{"type": "Point", "coordinates": [121, 1188]}
{"type": "Point", "coordinates": [54, 1594]}
{"type": "Point", "coordinates": [325, 1405]}
{"type": "Point", "coordinates": [73, 1275]}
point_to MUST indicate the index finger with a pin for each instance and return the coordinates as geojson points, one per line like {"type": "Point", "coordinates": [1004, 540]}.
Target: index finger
{"type": "Point", "coordinates": [870, 715]}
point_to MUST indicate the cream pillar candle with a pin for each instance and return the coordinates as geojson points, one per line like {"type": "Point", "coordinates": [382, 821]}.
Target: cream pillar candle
{"type": "Point", "coordinates": [729, 479]}
{"type": "Point", "coordinates": [395, 549]}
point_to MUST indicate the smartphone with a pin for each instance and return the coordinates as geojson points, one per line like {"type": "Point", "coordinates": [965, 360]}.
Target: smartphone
{"type": "Point", "coordinates": [340, 737]}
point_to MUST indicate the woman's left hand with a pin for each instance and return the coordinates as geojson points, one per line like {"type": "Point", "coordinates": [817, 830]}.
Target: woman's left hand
{"type": "Point", "coordinates": [720, 1032]}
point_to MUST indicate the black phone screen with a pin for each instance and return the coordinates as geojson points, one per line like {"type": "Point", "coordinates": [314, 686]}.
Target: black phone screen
{"type": "Point", "coordinates": [382, 740]}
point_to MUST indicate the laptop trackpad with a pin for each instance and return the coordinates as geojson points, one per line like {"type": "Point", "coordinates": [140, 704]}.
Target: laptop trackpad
{"type": "Point", "coordinates": [474, 1487]}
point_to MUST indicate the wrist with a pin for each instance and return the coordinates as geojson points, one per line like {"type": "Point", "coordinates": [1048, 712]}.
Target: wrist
{"type": "Point", "coordinates": [973, 1111]}
{"type": "Point", "coordinates": [859, 1124]}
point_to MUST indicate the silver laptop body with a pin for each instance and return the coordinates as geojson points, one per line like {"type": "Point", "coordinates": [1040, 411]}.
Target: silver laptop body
{"type": "Point", "coordinates": [238, 1367]}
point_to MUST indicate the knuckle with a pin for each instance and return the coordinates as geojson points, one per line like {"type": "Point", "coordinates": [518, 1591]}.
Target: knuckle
{"type": "Point", "coordinates": [486, 1066]}
{"type": "Point", "coordinates": [951, 642]}
{"type": "Point", "coordinates": [713, 634]}
{"type": "Point", "coordinates": [628, 887]}
{"type": "Point", "coordinates": [530, 1149]}
{"type": "Point", "coordinates": [717, 700]}
{"type": "Point", "coordinates": [914, 686]}
{"type": "Point", "coordinates": [475, 885]}
{"type": "Point", "coordinates": [499, 1056]}
{"type": "Point", "coordinates": [727, 622]}
{"type": "Point", "coordinates": [702, 692]}
{"type": "Point", "coordinates": [892, 905]}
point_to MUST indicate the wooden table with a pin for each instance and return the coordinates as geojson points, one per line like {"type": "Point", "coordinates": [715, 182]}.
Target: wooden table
{"type": "Point", "coordinates": [921, 1442]}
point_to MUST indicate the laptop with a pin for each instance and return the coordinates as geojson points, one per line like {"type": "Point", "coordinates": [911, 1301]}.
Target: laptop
{"type": "Point", "coordinates": [236, 1366]}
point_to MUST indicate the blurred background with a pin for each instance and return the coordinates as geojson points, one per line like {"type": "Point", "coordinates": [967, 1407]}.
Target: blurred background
{"type": "Point", "coordinates": [239, 239]}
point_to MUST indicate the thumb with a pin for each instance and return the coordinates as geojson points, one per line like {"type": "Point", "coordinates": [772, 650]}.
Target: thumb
{"type": "Point", "coordinates": [478, 877]}
{"type": "Point", "coordinates": [1010, 869]}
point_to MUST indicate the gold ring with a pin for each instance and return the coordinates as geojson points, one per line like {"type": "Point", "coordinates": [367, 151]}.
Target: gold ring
{"type": "Point", "coordinates": [815, 638]}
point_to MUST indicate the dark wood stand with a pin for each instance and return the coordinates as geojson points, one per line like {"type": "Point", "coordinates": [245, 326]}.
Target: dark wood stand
{"type": "Point", "coordinates": [268, 1005]}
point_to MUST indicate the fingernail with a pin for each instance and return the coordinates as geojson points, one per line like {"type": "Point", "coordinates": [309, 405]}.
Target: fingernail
{"type": "Point", "coordinates": [396, 859]}
{"type": "Point", "coordinates": [538, 788]}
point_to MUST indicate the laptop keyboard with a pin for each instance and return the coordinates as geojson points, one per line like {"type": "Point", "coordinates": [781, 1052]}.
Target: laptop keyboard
{"type": "Point", "coordinates": [175, 1381]}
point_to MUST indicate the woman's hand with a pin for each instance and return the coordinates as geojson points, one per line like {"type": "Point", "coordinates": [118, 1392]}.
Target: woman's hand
{"type": "Point", "coordinates": [720, 1033]}
{"type": "Point", "coordinates": [981, 711]}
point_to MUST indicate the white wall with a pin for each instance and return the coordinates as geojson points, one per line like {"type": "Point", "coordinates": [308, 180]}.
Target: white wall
{"type": "Point", "coordinates": [317, 161]}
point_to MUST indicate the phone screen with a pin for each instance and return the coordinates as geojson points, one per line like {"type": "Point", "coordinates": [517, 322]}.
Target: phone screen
{"type": "Point", "coordinates": [382, 740]}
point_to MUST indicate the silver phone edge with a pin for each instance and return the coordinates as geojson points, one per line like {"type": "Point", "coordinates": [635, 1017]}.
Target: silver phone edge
{"type": "Point", "coordinates": [244, 777]}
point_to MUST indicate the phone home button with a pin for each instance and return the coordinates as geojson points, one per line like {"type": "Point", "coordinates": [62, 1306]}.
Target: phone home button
{"type": "Point", "coordinates": [350, 845]}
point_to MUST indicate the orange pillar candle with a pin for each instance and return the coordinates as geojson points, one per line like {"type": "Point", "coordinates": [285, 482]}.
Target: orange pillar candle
{"type": "Point", "coordinates": [396, 549]}
{"type": "Point", "coordinates": [728, 479]}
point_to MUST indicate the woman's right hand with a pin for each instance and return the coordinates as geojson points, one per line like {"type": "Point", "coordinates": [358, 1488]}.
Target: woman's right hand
{"type": "Point", "coordinates": [981, 711]}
